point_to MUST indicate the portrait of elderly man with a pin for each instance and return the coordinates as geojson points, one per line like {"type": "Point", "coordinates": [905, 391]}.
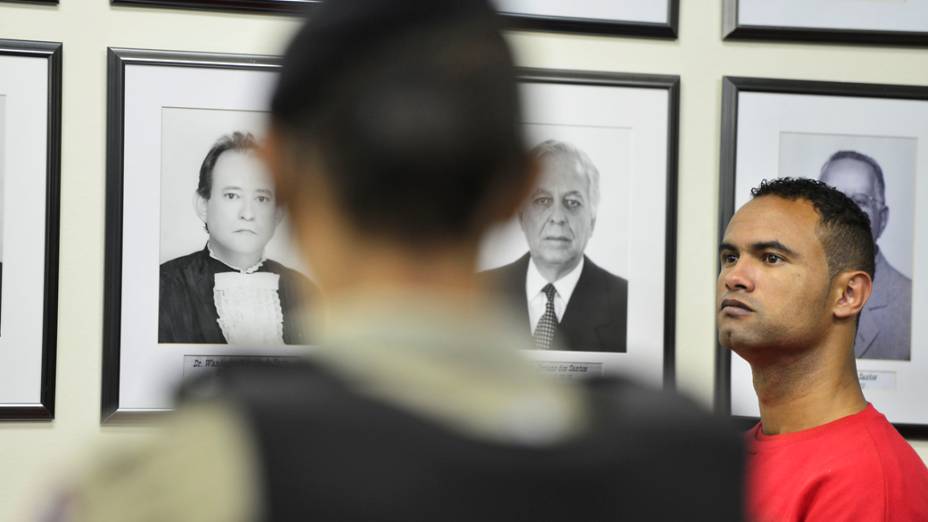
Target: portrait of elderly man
{"type": "Point", "coordinates": [228, 292]}
{"type": "Point", "coordinates": [569, 302]}
{"type": "Point", "coordinates": [885, 324]}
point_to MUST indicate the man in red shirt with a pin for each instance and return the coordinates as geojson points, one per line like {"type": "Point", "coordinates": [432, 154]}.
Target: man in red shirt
{"type": "Point", "coordinates": [797, 266]}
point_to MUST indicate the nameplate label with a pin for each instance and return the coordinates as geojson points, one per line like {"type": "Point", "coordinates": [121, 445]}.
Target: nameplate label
{"type": "Point", "coordinates": [197, 364]}
{"type": "Point", "coordinates": [571, 370]}
{"type": "Point", "coordinates": [873, 380]}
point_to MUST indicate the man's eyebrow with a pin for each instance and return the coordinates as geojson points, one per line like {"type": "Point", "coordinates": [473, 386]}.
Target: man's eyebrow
{"type": "Point", "coordinates": [727, 246]}
{"type": "Point", "coordinates": [265, 191]}
{"type": "Point", "coordinates": [231, 187]}
{"type": "Point", "coordinates": [575, 193]}
{"type": "Point", "coordinates": [773, 245]}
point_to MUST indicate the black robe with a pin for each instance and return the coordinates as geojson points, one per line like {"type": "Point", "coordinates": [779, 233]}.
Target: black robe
{"type": "Point", "coordinates": [187, 312]}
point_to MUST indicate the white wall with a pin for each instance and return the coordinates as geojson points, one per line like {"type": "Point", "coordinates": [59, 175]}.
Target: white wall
{"type": "Point", "coordinates": [31, 454]}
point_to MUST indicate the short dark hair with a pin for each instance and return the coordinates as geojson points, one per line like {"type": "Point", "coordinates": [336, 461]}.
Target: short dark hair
{"type": "Point", "coordinates": [412, 110]}
{"type": "Point", "coordinates": [843, 228]}
{"type": "Point", "coordinates": [237, 141]}
{"type": "Point", "coordinates": [858, 156]}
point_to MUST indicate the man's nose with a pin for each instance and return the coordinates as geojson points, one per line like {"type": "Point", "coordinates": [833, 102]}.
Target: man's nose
{"type": "Point", "coordinates": [557, 213]}
{"type": "Point", "coordinates": [247, 210]}
{"type": "Point", "coordinates": [738, 276]}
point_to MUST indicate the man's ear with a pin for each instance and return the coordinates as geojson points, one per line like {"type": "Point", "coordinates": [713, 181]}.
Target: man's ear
{"type": "Point", "coordinates": [199, 206]}
{"type": "Point", "coordinates": [854, 288]}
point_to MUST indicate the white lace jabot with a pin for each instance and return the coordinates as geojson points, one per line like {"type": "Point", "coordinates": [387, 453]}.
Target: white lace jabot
{"type": "Point", "coordinates": [249, 309]}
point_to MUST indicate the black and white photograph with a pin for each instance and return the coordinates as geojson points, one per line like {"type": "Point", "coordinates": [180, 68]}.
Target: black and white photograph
{"type": "Point", "coordinates": [226, 262]}
{"type": "Point", "coordinates": [30, 144]}
{"type": "Point", "coordinates": [566, 262]}
{"type": "Point", "coordinates": [200, 264]}
{"type": "Point", "coordinates": [881, 22]}
{"type": "Point", "coordinates": [869, 142]}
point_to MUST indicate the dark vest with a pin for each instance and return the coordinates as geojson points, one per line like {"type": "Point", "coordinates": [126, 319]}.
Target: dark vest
{"type": "Point", "coordinates": [329, 453]}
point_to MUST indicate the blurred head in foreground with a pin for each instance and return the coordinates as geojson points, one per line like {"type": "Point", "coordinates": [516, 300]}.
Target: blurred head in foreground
{"type": "Point", "coordinates": [406, 140]}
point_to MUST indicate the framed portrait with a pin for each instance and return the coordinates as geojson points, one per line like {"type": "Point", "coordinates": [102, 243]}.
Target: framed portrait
{"type": "Point", "coordinates": [657, 18]}
{"type": "Point", "coordinates": [30, 152]}
{"type": "Point", "coordinates": [871, 142]}
{"type": "Point", "coordinates": [847, 21]}
{"type": "Point", "coordinates": [199, 261]}
{"type": "Point", "coordinates": [607, 144]}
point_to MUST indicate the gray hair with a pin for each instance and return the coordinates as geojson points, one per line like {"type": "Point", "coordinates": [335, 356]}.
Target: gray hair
{"type": "Point", "coordinates": [580, 161]}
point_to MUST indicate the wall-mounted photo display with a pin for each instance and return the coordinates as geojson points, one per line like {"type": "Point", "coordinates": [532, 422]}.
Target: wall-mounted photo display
{"type": "Point", "coordinates": [657, 18]}
{"type": "Point", "coordinates": [893, 22]}
{"type": "Point", "coordinates": [201, 271]}
{"type": "Point", "coordinates": [30, 148]}
{"type": "Point", "coordinates": [589, 262]}
{"type": "Point", "coordinates": [870, 142]}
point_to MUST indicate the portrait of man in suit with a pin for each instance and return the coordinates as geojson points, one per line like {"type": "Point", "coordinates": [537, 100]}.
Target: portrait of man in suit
{"type": "Point", "coordinates": [885, 327]}
{"type": "Point", "coordinates": [569, 302]}
{"type": "Point", "coordinates": [228, 291]}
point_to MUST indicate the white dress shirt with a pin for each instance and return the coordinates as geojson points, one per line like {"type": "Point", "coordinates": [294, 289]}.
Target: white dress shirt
{"type": "Point", "coordinates": [535, 282]}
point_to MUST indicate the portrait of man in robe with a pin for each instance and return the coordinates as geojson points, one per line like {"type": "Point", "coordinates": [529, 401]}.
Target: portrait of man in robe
{"type": "Point", "coordinates": [229, 291]}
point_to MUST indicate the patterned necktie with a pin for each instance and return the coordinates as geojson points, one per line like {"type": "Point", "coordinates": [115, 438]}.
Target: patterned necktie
{"type": "Point", "coordinates": [547, 325]}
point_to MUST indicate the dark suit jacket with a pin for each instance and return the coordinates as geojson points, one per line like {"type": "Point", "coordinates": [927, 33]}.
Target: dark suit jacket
{"type": "Point", "coordinates": [596, 315]}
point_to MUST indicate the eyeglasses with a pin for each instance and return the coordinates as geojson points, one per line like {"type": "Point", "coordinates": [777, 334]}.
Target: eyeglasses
{"type": "Point", "coordinates": [865, 200]}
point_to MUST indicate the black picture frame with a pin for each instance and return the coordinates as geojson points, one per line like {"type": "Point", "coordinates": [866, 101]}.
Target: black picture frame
{"type": "Point", "coordinates": [40, 2]}
{"type": "Point", "coordinates": [52, 53]}
{"type": "Point", "coordinates": [731, 88]}
{"type": "Point", "coordinates": [248, 6]}
{"type": "Point", "coordinates": [525, 21]}
{"type": "Point", "coordinates": [733, 30]}
{"type": "Point", "coordinates": [117, 60]}
{"type": "Point", "coordinates": [670, 83]}
{"type": "Point", "coordinates": [532, 22]}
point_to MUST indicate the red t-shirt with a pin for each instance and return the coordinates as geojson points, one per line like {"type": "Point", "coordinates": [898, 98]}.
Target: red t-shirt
{"type": "Point", "coordinates": [857, 468]}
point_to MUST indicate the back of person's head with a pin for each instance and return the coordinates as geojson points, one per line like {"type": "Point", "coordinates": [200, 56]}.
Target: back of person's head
{"type": "Point", "coordinates": [411, 109]}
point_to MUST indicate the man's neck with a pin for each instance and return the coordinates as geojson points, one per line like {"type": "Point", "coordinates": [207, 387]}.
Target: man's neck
{"type": "Point", "coordinates": [806, 390]}
{"type": "Point", "coordinates": [234, 259]}
{"type": "Point", "coordinates": [554, 272]}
